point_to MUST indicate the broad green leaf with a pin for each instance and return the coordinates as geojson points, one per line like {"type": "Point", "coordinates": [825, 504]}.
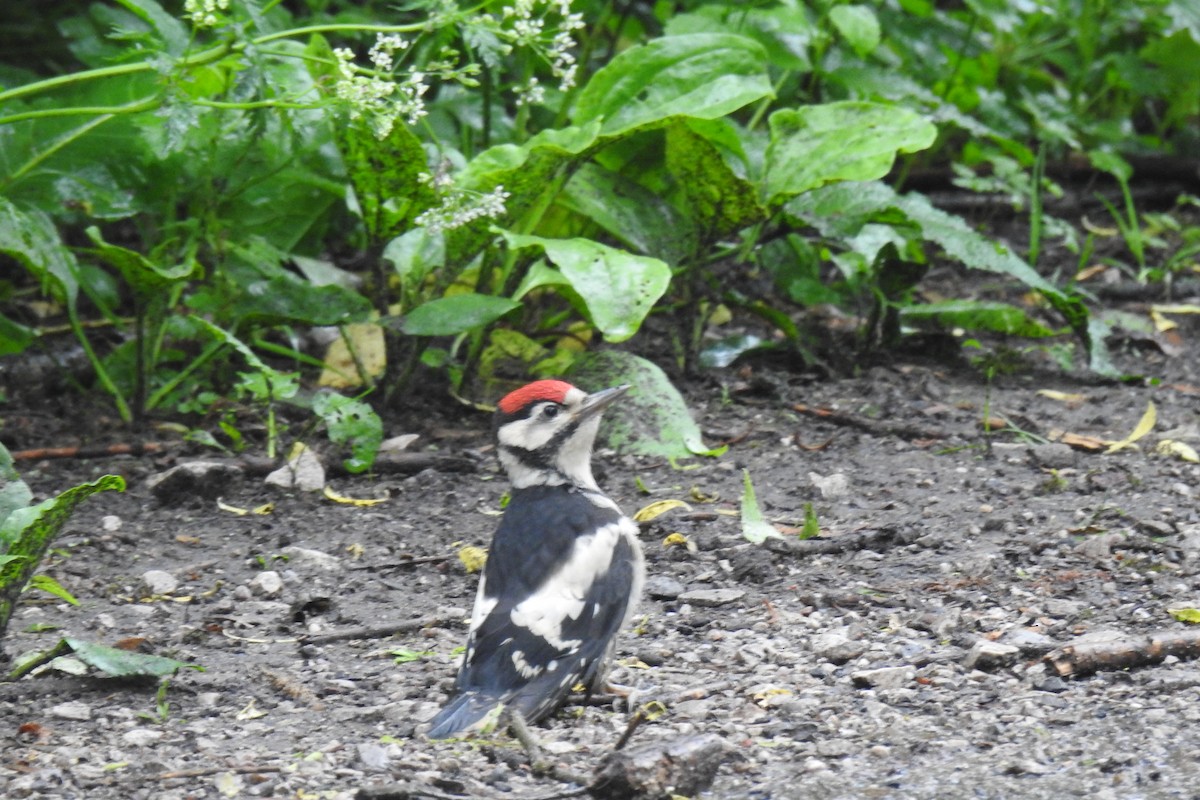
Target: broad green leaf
{"type": "Point", "coordinates": [652, 419]}
{"type": "Point", "coordinates": [26, 534]}
{"type": "Point", "coordinates": [975, 315]}
{"type": "Point", "coordinates": [843, 141]}
{"type": "Point", "coordinates": [117, 663]}
{"type": "Point", "coordinates": [721, 202]}
{"type": "Point", "coordinates": [704, 75]}
{"type": "Point", "coordinates": [351, 422]}
{"type": "Point", "coordinates": [754, 527]}
{"type": "Point", "coordinates": [173, 33]}
{"type": "Point", "coordinates": [31, 238]}
{"type": "Point", "coordinates": [455, 314]}
{"type": "Point", "coordinates": [638, 217]}
{"type": "Point", "coordinates": [785, 31]}
{"type": "Point", "coordinates": [415, 254]}
{"type": "Point", "coordinates": [858, 25]}
{"type": "Point", "coordinates": [15, 337]}
{"type": "Point", "coordinates": [1188, 615]}
{"type": "Point", "coordinates": [618, 288]}
{"type": "Point", "coordinates": [143, 276]}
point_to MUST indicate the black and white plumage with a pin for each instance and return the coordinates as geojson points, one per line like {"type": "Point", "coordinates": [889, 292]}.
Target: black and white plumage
{"type": "Point", "coordinates": [564, 571]}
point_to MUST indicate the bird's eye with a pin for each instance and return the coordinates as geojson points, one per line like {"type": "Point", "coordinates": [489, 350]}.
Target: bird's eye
{"type": "Point", "coordinates": [550, 411]}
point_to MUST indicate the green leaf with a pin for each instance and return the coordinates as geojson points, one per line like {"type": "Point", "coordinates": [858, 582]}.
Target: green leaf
{"type": "Point", "coordinates": [117, 663]}
{"type": "Point", "coordinates": [651, 420]}
{"type": "Point", "coordinates": [31, 238]}
{"type": "Point", "coordinates": [173, 33]}
{"type": "Point", "coordinates": [26, 534]}
{"type": "Point", "coordinates": [51, 586]}
{"type": "Point", "coordinates": [721, 202]}
{"type": "Point", "coordinates": [618, 288]}
{"type": "Point", "coordinates": [975, 315]}
{"type": "Point", "coordinates": [754, 527]}
{"type": "Point", "coordinates": [415, 254]}
{"type": "Point", "coordinates": [455, 314]}
{"type": "Point", "coordinates": [812, 525]}
{"type": "Point", "coordinates": [351, 422]}
{"type": "Point", "coordinates": [143, 276]}
{"type": "Point", "coordinates": [785, 31]}
{"type": "Point", "coordinates": [704, 75]}
{"type": "Point", "coordinates": [858, 25]}
{"type": "Point", "coordinates": [636, 216]}
{"type": "Point", "coordinates": [844, 141]}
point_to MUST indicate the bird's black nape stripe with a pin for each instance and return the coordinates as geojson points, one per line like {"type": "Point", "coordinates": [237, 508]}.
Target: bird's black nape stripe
{"type": "Point", "coordinates": [543, 457]}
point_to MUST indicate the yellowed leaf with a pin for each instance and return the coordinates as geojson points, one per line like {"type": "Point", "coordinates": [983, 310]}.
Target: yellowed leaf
{"type": "Point", "coordinates": [250, 711]}
{"type": "Point", "coordinates": [241, 512]}
{"type": "Point", "coordinates": [1144, 426]}
{"type": "Point", "coordinates": [1080, 441]}
{"type": "Point", "coordinates": [1099, 230]}
{"type": "Point", "coordinates": [352, 501]}
{"type": "Point", "coordinates": [700, 496]}
{"type": "Point", "coordinates": [359, 350]}
{"type": "Point", "coordinates": [1090, 272]}
{"type": "Point", "coordinates": [652, 710]}
{"type": "Point", "coordinates": [721, 315]}
{"type": "Point", "coordinates": [675, 539]}
{"type": "Point", "coordinates": [264, 509]}
{"type": "Point", "coordinates": [657, 509]}
{"type": "Point", "coordinates": [1176, 308]}
{"type": "Point", "coordinates": [1174, 449]}
{"type": "Point", "coordinates": [1062, 397]}
{"type": "Point", "coordinates": [1161, 323]}
{"type": "Point", "coordinates": [355, 550]}
{"type": "Point", "coordinates": [472, 557]}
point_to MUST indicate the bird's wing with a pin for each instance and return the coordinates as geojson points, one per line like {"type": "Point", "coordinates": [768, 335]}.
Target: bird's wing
{"type": "Point", "coordinates": [554, 594]}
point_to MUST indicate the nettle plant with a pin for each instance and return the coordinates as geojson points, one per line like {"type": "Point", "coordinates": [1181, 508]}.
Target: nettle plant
{"type": "Point", "coordinates": [464, 175]}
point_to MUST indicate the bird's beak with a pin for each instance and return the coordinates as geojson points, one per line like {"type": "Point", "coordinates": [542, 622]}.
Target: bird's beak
{"type": "Point", "coordinates": [594, 403]}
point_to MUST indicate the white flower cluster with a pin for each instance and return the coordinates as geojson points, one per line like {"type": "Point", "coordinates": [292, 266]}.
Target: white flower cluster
{"type": "Point", "coordinates": [528, 26]}
{"type": "Point", "coordinates": [375, 93]}
{"type": "Point", "coordinates": [459, 207]}
{"type": "Point", "coordinates": [203, 13]}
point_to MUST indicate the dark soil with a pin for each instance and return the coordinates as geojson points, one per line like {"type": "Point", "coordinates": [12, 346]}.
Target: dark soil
{"type": "Point", "coordinates": [847, 674]}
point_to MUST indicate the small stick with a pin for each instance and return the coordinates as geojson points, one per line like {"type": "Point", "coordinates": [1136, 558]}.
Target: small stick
{"type": "Point", "coordinates": [202, 772]}
{"type": "Point", "coordinates": [94, 451]}
{"type": "Point", "coordinates": [634, 722]}
{"type": "Point", "coordinates": [1124, 653]}
{"type": "Point", "coordinates": [861, 540]}
{"type": "Point", "coordinates": [379, 631]}
{"type": "Point", "coordinates": [537, 763]}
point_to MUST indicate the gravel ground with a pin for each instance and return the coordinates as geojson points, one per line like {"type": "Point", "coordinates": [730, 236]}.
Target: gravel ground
{"type": "Point", "coordinates": [904, 662]}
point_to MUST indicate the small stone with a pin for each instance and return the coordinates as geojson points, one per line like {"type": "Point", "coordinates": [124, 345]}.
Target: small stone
{"type": "Point", "coordinates": [304, 472]}
{"type": "Point", "coordinates": [711, 597]}
{"type": "Point", "coordinates": [72, 709]}
{"type": "Point", "coordinates": [375, 757]}
{"type": "Point", "coordinates": [157, 581]}
{"type": "Point", "coordinates": [191, 480]}
{"type": "Point", "coordinates": [303, 559]}
{"type": "Point", "coordinates": [831, 487]}
{"type": "Point", "coordinates": [110, 523]}
{"type": "Point", "coordinates": [987, 655]}
{"type": "Point", "coordinates": [1054, 455]}
{"type": "Point", "coordinates": [266, 584]}
{"type": "Point", "coordinates": [884, 677]}
{"type": "Point", "coordinates": [141, 737]}
{"type": "Point", "coordinates": [837, 647]}
{"type": "Point", "coordinates": [1051, 683]}
{"type": "Point", "coordinates": [662, 587]}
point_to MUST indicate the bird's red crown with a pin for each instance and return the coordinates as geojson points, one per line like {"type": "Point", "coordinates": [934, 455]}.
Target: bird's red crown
{"type": "Point", "coordinates": [554, 391]}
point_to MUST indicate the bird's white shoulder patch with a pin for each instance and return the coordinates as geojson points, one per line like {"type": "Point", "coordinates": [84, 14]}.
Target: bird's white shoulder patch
{"type": "Point", "coordinates": [561, 596]}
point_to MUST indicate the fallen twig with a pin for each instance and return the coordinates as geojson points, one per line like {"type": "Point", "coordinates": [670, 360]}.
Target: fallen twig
{"type": "Point", "coordinates": [92, 451]}
{"type": "Point", "coordinates": [379, 631]}
{"type": "Point", "coordinates": [872, 539]}
{"type": "Point", "coordinates": [401, 791]}
{"type": "Point", "coordinates": [202, 772]}
{"type": "Point", "coordinates": [1124, 653]}
{"type": "Point", "coordinates": [636, 720]}
{"type": "Point", "coordinates": [875, 427]}
{"type": "Point", "coordinates": [537, 762]}
{"type": "Point", "coordinates": [385, 464]}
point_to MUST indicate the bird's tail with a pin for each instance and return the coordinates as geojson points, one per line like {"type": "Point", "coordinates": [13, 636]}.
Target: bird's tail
{"type": "Point", "coordinates": [468, 712]}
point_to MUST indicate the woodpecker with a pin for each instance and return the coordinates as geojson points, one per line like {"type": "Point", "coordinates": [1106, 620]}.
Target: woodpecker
{"type": "Point", "coordinates": [564, 571]}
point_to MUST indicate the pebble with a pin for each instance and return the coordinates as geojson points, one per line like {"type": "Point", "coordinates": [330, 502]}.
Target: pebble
{"type": "Point", "coordinates": [72, 709]}
{"type": "Point", "coordinates": [303, 559]}
{"type": "Point", "coordinates": [157, 581]}
{"type": "Point", "coordinates": [141, 737]}
{"type": "Point", "coordinates": [195, 478]}
{"type": "Point", "coordinates": [266, 584]}
{"type": "Point", "coordinates": [712, 597]}
{"type": "Point", "coordinates": [883, 678]}
{"type": "Point", "coordinates": [663, 587]}
{"type": "Point", "coordinates": [988, 655]}
{"type": "Point", "coordinates": [110, 523]}
{"type": "Point", "coordinates": [304, 472]}
{"type": "Point", "coordinates": [837, 647]}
